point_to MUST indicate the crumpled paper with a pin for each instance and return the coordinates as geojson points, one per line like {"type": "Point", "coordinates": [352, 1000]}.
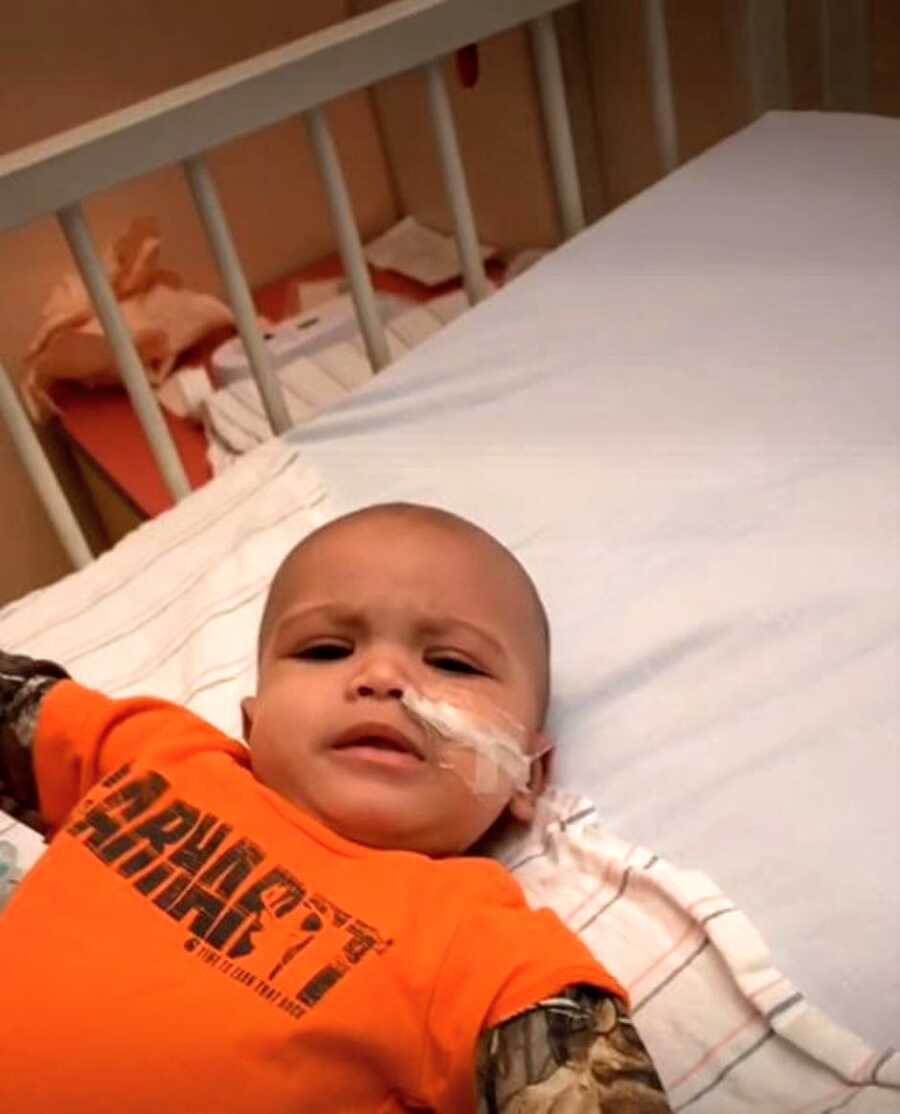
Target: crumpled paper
{"type": "Point", "coordinates": [163, 317]}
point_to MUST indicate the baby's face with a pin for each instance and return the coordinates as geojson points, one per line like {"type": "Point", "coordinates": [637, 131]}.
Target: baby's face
{"type": "Point", "coordinates": [371, 609]}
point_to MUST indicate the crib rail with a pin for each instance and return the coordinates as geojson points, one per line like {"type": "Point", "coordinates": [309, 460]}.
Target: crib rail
{"type": "Point", "coordinates": [246, 97]}
{"type": "Point", "coordinates": [179, 126]}
{"type": "Point", "coordinates": [53, 177]}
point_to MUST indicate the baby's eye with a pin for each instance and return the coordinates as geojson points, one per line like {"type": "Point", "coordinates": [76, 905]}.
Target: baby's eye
{"type": "Point", "coordinates": [449, 664]}
{"type": "Point", "coordinates": [324, 651]}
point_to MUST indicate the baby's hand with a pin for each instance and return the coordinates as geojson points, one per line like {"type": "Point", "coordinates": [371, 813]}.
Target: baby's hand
{"type": "Point", "coordinates": [23, 684]}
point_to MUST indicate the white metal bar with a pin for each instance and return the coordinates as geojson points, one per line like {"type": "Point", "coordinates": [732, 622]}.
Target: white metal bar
{"type": "Point", "coordinates": [348, 239]}
{"type": "Point", "coordinates": [455, 182]}
{"type": "Point", "coordinates": [556, 123]}
{"type": "Point", "coordinates": [41, 474]}
{"type": "Point", "coordinates": [78, 235]}
{"type": "Point", "coordinates": [206, 197]}
{"type": "Point", "coordinates": [661, 83]}
{"type": "Point", "coordinates": [203, 114]}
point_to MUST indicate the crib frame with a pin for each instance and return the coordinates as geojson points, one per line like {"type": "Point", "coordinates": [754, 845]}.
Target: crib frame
{"type": "Point", "coordinates": [179, 126]}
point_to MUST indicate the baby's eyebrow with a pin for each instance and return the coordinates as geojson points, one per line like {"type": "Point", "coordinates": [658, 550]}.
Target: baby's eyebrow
{"type": "Point", "coordinates": [331, 612]}
{"type": "Point", "coordinates": [445, 625]}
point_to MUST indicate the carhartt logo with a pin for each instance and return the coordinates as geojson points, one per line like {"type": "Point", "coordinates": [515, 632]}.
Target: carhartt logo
{"type": "Point", "coordinates": [255, 923]}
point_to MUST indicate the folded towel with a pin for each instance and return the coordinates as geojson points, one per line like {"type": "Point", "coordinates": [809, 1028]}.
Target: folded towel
{"type": "Point", "coordinates": [235, 420]}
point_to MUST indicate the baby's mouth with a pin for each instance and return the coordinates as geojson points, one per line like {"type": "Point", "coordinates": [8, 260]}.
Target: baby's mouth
{"type": "Point", "coordinates": [372, 738]}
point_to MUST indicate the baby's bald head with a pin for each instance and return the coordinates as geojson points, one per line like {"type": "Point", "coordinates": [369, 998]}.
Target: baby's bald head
{"type": "Point", "coordinates": [482, 571]}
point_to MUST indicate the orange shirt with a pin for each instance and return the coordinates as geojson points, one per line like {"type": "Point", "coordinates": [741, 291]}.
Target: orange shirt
{"type": "Point", "coordinates": [192, 942]}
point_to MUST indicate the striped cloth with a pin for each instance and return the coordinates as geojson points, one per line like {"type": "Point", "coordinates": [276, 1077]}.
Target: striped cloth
{"type": "Point", "coordinates": [234, 419]}
{"type": "Point", "coordinates": [727, 1031]}
{"type": "Point", "coordinates": [173, 611]}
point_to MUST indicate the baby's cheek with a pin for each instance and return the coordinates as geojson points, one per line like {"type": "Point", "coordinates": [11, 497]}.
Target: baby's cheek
{"type": "Point", "coordinates": [274, 731]}
{"type": "Point", "coordinates": [475, 810]}
{"type": "Point", "coordinates": [478, 705]}
{"type": "Point", "coordinates": [281, 712]}
{"type": "Point", "coordinates": [473, 737]}
{"type": "Point", "coordinates": [461, 764]}
{"type": "Point", "coordinates": [275, 762]}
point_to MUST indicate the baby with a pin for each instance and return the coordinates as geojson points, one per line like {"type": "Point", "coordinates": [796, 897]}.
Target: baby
{"type": "Point", "coordinates": [294, 925]}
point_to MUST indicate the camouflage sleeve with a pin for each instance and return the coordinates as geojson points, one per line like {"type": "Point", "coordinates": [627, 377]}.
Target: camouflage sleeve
{"type": "Point", "coordinates": [24, 682]}
{"type": "Point", "coordinates": [578, 1051]}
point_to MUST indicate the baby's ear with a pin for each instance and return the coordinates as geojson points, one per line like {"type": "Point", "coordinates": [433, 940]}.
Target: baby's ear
{"type": "Point", "coordinates": [248, 709]}
{"type": "Point", "coordinates": [523, 800]}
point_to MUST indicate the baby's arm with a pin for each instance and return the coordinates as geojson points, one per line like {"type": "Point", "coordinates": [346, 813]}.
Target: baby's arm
{"type": "Point", "coordinates": [24, 682]}
{"type": "Point", "coordinates": [579, 1046]}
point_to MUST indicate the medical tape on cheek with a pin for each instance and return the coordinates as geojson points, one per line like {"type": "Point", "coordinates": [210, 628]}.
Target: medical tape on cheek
{"type": "Point", "coordinates": [450, 728]}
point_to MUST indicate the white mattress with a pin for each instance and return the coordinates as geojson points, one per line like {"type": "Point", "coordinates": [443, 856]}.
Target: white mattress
{"type": "Point", "coordinates": [686, 424]}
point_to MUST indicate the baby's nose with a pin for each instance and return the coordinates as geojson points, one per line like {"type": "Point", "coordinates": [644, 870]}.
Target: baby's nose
{"type": "Point", "coordinates": [381, 679]}
{"type": "Point", "coordinates": [393, 692]}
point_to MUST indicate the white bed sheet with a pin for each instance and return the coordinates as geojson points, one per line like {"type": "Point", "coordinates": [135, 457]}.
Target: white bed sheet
{"type": "Point", "coordinates": [686, 423]}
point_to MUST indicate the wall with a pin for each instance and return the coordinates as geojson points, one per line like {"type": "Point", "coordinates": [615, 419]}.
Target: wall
{"type": "Point", "coordinates": [501, 142]}
{"type": "Point", "coordinates": [605, 65]}
{"type": "Point", "coordinates": [67, 61]}
{"type": "Point", "coordinates": [606, 74]}
{"type": "Point", "coordinates": [63, 62]}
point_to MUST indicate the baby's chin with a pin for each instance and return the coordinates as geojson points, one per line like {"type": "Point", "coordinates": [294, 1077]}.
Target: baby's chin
{"type": "Point", "coordinates": [399, 833]}
{"type": "Point", "coordinates": [434, 820]}
{"type": "Point", "coordinates": [394, 830]}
